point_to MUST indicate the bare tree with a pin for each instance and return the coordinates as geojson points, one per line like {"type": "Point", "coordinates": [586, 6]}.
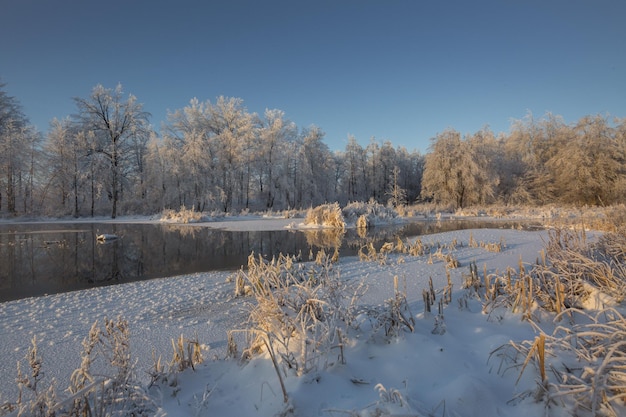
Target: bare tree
{"type": "Point", "coordinates": [115, 122]}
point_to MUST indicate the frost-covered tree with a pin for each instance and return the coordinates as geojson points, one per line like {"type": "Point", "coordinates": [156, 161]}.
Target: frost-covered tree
{"type": "Point", "coordinates": [525, 178]}
{"type": "Point", "coordinates": [455, 173]}
{"type": "Point", "coordinates": [586, 164]}
{"type": "Point", "coordinates": [157, 174]}
{"type": "Point", "coordinates": [317, 170]}
{"type": "Point", "coordinates": [67, 167]}
{"type": "Point", "coordinates": [275, 135]}
{"type": "Point", "coordinates": [210, 150]}
{"type": "Point", "coordinates": [396, 194]}
{"type": "Point", "coordinates": [116, 125]}
{"type": "Point", "coordinates": [19, 156]}
{"type": "Point", "coordinates": [620, 139]}
{"type": "Point", "coordinates": [411, 167]}
{"type": "Point", "coordinates": [356, 186]}
{"type": "Point", "coordinates": [482, 152]}
{"type": "Point", "coordinates": [191, 156]}
{"type": "Point", "coordinates": [386, 161]}
{"type": "Point", "coordinates": [233, 130]}
{"type": "Point", "coordinates": [551, 162]}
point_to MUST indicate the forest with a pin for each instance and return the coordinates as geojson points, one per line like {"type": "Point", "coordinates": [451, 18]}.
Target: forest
{"type": "Point", "coordinates": [107, 160]}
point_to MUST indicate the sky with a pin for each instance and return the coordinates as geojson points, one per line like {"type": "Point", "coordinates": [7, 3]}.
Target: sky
{"type": "Point", "coordinates": [396, 70]}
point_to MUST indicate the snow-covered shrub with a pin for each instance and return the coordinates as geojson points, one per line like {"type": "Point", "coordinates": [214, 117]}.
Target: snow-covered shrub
{"type": "Point", "coordinates": [326, 215]}
{"type": "Point", "coordinates": [362, 222]}
{"type": "Point", "coordinates": [368, 214]}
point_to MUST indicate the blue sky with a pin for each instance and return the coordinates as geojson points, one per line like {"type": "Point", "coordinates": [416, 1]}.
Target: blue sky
{"type": "Point", "coordinates": [397, 70]}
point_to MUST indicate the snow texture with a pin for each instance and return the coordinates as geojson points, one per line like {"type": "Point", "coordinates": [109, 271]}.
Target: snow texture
{"type": "Point", "coordinates": [417, 374]}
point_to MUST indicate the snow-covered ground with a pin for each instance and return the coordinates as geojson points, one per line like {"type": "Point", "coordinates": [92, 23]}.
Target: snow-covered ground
{"type": "Point", "coordinates": [419, 373]}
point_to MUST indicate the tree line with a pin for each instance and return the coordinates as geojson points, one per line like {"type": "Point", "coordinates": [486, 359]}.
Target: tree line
{"type": "Point", "coordinates": [106, 159]}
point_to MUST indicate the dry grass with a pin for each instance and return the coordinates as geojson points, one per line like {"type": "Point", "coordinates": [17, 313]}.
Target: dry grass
{"type": "Point", "coordinates": [187, 353]}
{"type": "Point", "coordinates": [393, 318]}
{"type": "Point", "coordinates": [298, 314]}
{"type": "Point", "coordinates": [574, 276]}
{"type": "Point", "coordinates": [589, 377]}
{"type": "Point", "coordinates": [572, 273]}
{"type": "Point", "coordinates": [327, 215]}
{"type": "Point", "coordinates": [112, 391]}
{"type": "Point", "coordinates": [369, 253]}
{"type": "Point", "coordinates": [184, 215]}
{"type": "Point", "coordinates": [397, 316]}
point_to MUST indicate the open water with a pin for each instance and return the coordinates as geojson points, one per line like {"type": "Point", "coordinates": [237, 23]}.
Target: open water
{"type": "Point", "coordinates": [47, 258]}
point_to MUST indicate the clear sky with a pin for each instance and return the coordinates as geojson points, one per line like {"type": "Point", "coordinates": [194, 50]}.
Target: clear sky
{"type": "Point", "coordinates": [398, 70]}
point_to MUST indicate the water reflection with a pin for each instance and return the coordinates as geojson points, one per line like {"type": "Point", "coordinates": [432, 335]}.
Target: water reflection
{"type": "Point", "coordinates": [36, 259]}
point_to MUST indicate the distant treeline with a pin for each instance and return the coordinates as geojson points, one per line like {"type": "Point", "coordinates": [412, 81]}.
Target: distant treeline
{"type": "Point", "coordinates": [107, 160]}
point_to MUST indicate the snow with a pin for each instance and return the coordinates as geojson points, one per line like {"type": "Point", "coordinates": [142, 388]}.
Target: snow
{"type": "Point", "coordinates": [416, 374]}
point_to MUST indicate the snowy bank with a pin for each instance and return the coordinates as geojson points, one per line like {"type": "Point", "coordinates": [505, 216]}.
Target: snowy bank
{"type": "Point", "coordinates": [426, 370]}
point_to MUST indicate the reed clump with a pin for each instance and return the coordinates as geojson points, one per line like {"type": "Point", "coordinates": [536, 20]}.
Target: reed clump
{"type": "Point", "coordinates": [111, 390]}
{"type": "Point", "coordinates": [300, 313]}
{"type": "Point", "coordinates": [579, 282]}
{"type": "Point", "coordinates": [183, 215]}
{"type": "Point", "coordinates": [326, 215]}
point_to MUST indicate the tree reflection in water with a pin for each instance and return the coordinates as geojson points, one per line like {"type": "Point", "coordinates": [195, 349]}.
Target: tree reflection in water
{"type": "Point", "coordinates": [38, 258]}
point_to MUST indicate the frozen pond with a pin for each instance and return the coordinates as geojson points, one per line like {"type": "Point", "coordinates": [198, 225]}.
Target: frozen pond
{"type": "Point", "coordinates": [46, 258]}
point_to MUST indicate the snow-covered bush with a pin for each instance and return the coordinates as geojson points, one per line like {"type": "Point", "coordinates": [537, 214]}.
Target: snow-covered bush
{"type": "Point", "coordinates": [326, 215]}
{"type": "Point", "coordinates": [369, 214]}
